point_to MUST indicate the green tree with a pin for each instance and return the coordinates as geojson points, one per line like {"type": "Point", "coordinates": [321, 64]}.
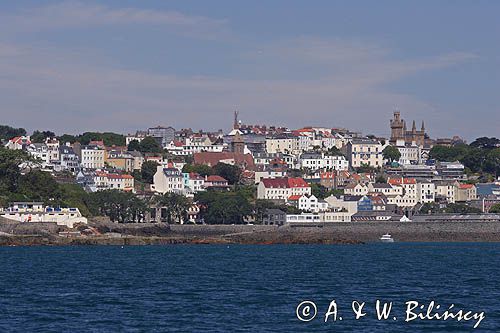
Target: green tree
{"type": "Point", "coordinates": [134, 145]}
{"type": "Point", "coordinates": [148, 170]}
{"type": "Point", "coordinates": [150, 145]}
{"type": "Point", "coordinates": [109, 138]}
{"type": "Point", "coordinates": [391, 153]}
{"type": "Point", "coordinates": [380, 179]}
{"type": "Point", "coordinates": [231, 173]}
{"type": "Point", "coordinates": [486, 143]}
{"type": "Point", "coordinates": [39, 185]}
{"type": "Point", "coordinates": [7, 132]}
{"type": "Point", "coordinates": [495, 209]}
{"type": "Point", "coordinates": [10, 173]}
{"type": "Point", "coordinates": [201, 169]}
{"type": "Point", "coordinates": [175, 206]}
{"type": "Point", "coordinates": [67, 138]}
{"type": "Point", "coordinates": [334, 151]}
{"type": "Point", "coordinates": [365, 168]}
{"type": "Point", "coordinates": [119, 206]}
{"type": "Point", "coordinates": [223, 207]}
{"type": "Point", "coordinates": [39, 137]}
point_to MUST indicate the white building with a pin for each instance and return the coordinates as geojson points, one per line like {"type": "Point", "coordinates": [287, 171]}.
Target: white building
{"type": "Point", "coordinates": [167, 180]}
{"type": "Point", "coordinates": [284, 143]}
{"type": "Point", "coordinates": [410, 153]}
{"type": "Point", "coordinates": [282, 188]}
{"type": "Point", "coordinates": [311, 204]}
{"type": "Point", "coordinates": [194, 182]}
{"type": "Point", "coordinates": [426, 191]}
{"type": "Point", "coordinates": [33, 212]}
{"type": "Point", "coordinates": [364, 152]}
{"type": "Point", "coordinates": [314, 161]}
{"type": "Point", "coordinates": [356, 189]}
{"type": "Point", "coordinates": [112, 181]}
{"type": "Point", "coordinates": [92, 157]}
{"type": "Point", "coordinates": [19, 142]}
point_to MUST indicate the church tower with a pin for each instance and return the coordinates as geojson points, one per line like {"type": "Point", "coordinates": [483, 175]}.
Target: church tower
{"type": "Point", "coordinates": [238, 144]}
{"type": "Point", "coordinates": [397, 127]}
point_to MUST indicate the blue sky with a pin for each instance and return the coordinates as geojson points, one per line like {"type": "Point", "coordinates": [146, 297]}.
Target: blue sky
{"type": "Point", "coordinates": [72, 66]}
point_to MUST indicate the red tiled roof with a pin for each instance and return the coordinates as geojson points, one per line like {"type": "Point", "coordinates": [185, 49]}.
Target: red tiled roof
{"type": "Point", "coordinates": [275, 182]}
{"type": "Point", "coordinates": [401, 180]}
{"type": "Point", "coordinates": [327, 175]}
{"type": "Point", "coordinates": [178, 144]}
{"type": "Point", "coordinates": [297, 182]}
{"type": "Point", "coordinates": [195, 176]}
{"type": "Point", "coordinates": [215, 178]}
{"type": "Point", "coordinates": [465, 186]}
{"type": "Point", "coordinates": [294, 197]}
{"type": "Point", "coordinates": [212, 158]}
{"type": "Point", "coordinates": [284, 182]}
{"type": "Point", "coordinates": [113, 175]}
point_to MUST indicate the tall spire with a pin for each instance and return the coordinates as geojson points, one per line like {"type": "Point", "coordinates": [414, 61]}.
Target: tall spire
{"type": "Point", "coordinates": [423, 127]}
{"type": "Point", "coordinates": [235, 123]}
{"type": "Point", "coordinates": [414, 128]}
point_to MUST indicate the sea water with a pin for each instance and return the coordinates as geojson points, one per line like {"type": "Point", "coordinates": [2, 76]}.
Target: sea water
{"type": "Point", "coordinates": [250, 288]}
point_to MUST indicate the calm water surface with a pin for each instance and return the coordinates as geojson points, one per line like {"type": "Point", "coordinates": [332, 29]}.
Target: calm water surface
{"type": "Point", "coordinates": [242, 288]}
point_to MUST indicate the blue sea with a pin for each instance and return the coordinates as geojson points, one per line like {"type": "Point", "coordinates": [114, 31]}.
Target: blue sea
{"type": "Point", "coordinates": [245, 288]}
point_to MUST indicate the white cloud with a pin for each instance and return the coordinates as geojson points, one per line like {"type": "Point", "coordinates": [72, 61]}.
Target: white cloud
{"type": "Point", "coordinates": [75, 14]}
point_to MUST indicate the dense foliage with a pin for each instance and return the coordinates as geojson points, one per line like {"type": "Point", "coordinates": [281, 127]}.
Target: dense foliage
{"type": "Point", "coordinates": [35, 185]}
{"type": "Point", "coordinates": [39, 137]}
{"type": "Point", "coordinates": [322, 192]}
{"type": "Point", "coordinates": [391, 154]}
{"type": "Point", "coordinates": [453, 208]}
{"type": "Point", "coordinates": [231, 173]}
{"type": "Point", "coordinates": [7, 132]}
{"type": "Point", "coordinates": [481, 156]}
{"type": "Point", "coordinates": [174, 206]}
{"type": "Point", "coordinates": [223, 207]}
{"type": "Point", "coordinates": [119, 206]}
{"type": "Point", "coordinates": [148, 170]}
{"type": "Point", "coordinates": [495, 208]}
{"type": "Point", "coordinates": [109, 138]}
{"type": "Point", "coordinates": [150, 145]}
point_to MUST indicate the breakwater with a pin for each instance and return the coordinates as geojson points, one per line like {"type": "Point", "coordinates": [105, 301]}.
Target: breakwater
{"type": "Point", "coordinates": [108, 233]}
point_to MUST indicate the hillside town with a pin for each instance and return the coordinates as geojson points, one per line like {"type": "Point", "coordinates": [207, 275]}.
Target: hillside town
{"type": "Point", "coordinates": [291, 176]}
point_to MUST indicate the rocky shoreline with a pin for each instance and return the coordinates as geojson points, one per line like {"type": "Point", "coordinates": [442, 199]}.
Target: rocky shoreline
{"type": "Point", "coordinates": [107, 233]}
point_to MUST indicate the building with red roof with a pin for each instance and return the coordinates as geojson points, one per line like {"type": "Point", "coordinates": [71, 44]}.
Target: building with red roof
{"type": "Point", "coordinates": [244, 161]}
{"type": "Point", "coordinates": [282, 188]}
{"type": "Point", "coordinates": [104, 180]}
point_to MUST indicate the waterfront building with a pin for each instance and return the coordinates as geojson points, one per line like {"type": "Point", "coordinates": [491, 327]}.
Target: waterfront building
{"type": "Point", "coordinates": [282, 188]}
{"type": "Point", "coordinates": [36, 212]}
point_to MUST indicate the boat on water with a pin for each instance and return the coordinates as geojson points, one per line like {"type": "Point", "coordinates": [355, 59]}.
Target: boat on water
{"type": "Point", "coordinates": [387, 238]}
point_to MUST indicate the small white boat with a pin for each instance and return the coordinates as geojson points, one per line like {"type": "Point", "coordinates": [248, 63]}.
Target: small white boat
{"type": "Point", "coordinates": [387, 238]}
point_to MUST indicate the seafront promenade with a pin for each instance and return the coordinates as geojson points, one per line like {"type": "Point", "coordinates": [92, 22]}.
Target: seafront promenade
{"type": "Point", "coordinates": [106, 233]}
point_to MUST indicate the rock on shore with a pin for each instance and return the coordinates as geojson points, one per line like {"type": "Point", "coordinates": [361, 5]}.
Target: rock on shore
{"type": "Point", "coordinates": [107, 233]}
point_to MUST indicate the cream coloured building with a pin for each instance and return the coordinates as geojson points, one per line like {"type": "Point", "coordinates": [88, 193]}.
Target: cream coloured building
{"type": "Point", "coordinates": [364, 152]}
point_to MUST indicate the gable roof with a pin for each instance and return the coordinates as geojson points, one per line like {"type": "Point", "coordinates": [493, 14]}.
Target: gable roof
{"type": "Point", "coordinates": [212, 158]}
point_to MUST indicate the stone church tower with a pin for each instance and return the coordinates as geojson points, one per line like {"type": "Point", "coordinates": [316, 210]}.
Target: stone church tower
{"type": "Point", "coordinates": [399, 131]}
{"type": "Point", "coordinates": [238, 144]}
